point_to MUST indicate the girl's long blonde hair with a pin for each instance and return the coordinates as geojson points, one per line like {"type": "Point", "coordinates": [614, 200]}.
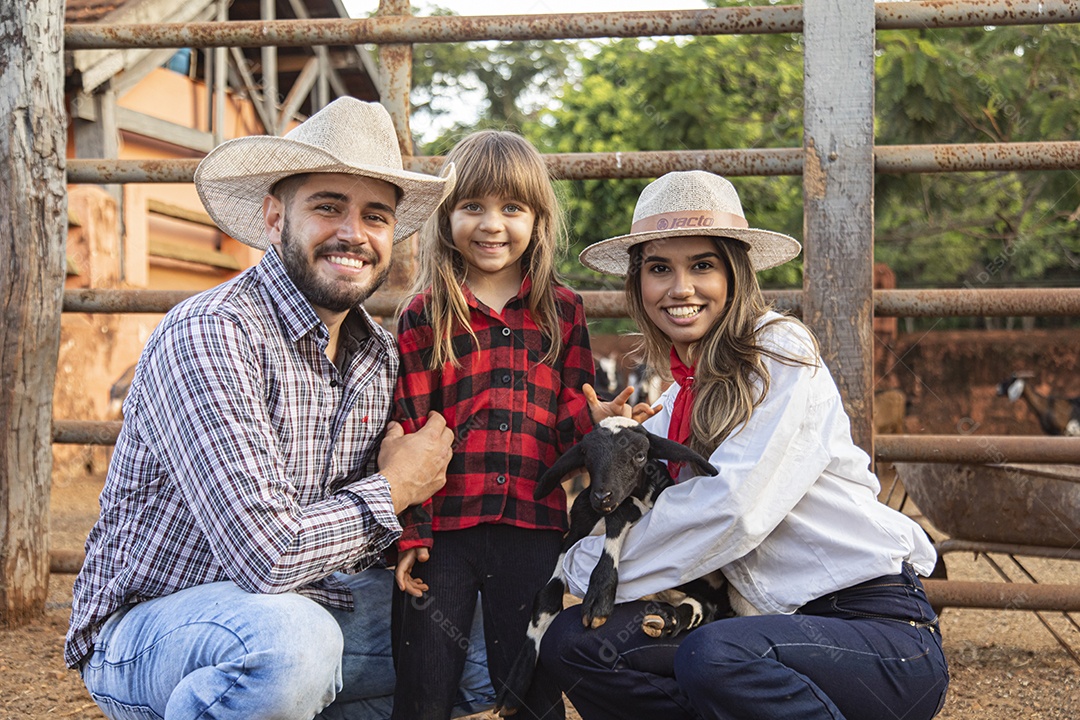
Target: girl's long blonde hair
{"type": "Point", "coordinates": [491, 162]}
{"type": "Point", "coordinates": [728, 359]}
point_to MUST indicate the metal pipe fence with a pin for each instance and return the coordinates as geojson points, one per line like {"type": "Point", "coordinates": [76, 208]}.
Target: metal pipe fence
{"type": "Point", "coordinates": [888, 159]}
{"type": "Point", "coordinates": [400, 31]}
{"type": "Point", "coordinates": [578, 26]}
{"type": "Point", "coordinates": [955, 302]}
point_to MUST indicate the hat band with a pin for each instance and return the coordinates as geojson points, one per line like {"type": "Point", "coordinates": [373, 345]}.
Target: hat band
{"type": "Point", "coordinates": [689, 220]}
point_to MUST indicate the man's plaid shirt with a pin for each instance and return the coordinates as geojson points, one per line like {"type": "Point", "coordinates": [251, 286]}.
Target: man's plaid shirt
{"type": "Point", "coordinates": [512, 414]}
{"type": "Point", "coordinates": [245, 455]}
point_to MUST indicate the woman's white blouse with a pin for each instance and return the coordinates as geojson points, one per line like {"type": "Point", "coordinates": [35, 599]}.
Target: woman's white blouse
{"type": "Point", "coordinates": [792, 515]}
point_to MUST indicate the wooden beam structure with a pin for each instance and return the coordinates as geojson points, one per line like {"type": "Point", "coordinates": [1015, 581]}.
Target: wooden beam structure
{"type": "Point", "coordinates": [101, 118]}
{"type": "Point", "coordinates": [33, 234]}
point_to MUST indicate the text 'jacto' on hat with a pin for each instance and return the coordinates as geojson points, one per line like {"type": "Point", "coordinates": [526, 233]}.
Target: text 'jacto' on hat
{"type": "Point", "coordinates": [347, 136]}
{"type": "Point", "coordinates": [690, 204]}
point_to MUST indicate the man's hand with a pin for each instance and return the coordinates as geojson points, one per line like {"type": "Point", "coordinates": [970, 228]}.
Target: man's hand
{"type": "Point", "coordinates": [403, 572]}
{"type": "Point", "coordinates": [617, 407]}
{"type": "Point", "coordinates": [415, 464]}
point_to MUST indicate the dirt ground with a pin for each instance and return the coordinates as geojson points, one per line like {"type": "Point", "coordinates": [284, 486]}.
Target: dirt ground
{"type": "Point", "coordinates": [1005, 664]}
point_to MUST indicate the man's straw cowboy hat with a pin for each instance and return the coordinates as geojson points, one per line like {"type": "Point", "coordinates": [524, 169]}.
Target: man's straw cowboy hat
{"type": "Point", "coordinates": [347, 136]}
{"type": "Point", "coordinates": [690, 204]}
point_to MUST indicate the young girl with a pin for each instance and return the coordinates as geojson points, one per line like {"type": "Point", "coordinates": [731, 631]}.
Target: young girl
{"type": "Point", "coordinates": [497, 346]}
{"type": "Point", "coordinates": [842, 627]}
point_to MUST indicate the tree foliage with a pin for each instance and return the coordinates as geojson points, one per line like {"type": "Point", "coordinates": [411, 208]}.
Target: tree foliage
{"type": "Point", "coordinates": [702, 93]}
{"type": "Point", "coordinates": [979, 85]}
{"type": "Point", "coordinates": [973, 85]}
{"type": "Point", "coordinates": [511, 80]}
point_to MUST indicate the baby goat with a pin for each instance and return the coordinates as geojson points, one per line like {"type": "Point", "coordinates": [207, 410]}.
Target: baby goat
{"type": "Point", "coordinates": [626, 476]}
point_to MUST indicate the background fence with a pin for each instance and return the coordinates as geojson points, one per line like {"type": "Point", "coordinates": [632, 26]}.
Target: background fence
{"type": "Point", "coordinates": [837, 163]}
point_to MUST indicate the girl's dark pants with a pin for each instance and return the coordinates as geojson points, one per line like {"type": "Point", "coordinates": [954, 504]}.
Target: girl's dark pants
{"type": "Point", "coordinates": [868, 652]}
{"type": "Point", "coordinates": [506, 565]}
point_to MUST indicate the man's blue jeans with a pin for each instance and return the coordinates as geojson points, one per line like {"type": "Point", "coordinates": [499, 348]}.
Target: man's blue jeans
{"type": "Point", "coordinates": [215, 652]}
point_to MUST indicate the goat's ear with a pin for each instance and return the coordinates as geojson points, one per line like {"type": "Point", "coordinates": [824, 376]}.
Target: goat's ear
{"type": "Point", "coordinates": [572, 459]}
{"type": "Point", "coordinates": [664, 449]}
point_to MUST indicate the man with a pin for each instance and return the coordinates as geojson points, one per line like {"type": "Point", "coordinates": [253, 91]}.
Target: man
{"type": "Point", "coordinates": [255, 465]}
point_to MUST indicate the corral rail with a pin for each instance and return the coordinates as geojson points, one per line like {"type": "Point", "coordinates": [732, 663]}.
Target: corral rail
{"type": "Point", "coordinates": [838, 199]}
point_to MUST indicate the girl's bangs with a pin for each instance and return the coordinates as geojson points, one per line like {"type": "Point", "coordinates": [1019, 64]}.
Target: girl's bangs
{"type": "Point", "coordinates": [508, 175]}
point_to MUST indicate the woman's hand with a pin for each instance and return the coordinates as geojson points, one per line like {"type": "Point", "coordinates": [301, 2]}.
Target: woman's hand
{"type": "Point", "coordinates": [617, 407]}
{"type": "Point", "coordinates": [403, 572]}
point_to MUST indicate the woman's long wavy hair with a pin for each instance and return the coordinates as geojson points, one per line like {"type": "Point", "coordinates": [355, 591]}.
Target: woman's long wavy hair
{"type": "Point", "coordinates": [730, 377]}
{"type": "Point", "coordinates": [491, 162]}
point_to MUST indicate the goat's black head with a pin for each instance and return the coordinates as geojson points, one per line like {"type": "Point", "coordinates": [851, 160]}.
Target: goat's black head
{"type": "Point", "coordinates": [616, 453]}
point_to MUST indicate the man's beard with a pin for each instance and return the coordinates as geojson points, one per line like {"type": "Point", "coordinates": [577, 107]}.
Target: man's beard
{"type": "Point", "coordinates": [321, 293]}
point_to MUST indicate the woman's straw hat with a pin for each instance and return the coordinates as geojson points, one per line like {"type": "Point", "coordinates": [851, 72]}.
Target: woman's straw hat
{"type": "Point", "coordinates": [690, 204]}
{"type": "Point", "coordinates": [347, 136]}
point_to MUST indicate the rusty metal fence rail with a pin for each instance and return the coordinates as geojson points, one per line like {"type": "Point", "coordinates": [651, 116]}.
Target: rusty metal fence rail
{"type": "Point", "coordinates": [891, 159]}
{"type": "Point", "coordinates": [396, 30]}
{"type": "Point", "coordinates": [716, 21]}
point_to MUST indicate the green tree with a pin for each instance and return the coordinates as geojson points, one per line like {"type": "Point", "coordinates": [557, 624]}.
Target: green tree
{"type": "Point", "coordinates": [979, 85]}
{"type": "Point", "coordinates": [512, 78]}
{"type": "Point", "coordinates": [1004, 84]}
{"type": "Point", "coordinates": [702, 93]}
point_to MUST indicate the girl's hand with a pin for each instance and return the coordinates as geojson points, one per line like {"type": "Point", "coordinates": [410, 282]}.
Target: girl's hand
{"type": "Point", "coordinates": [403, 572]}
{"type": "Point", "coordinates": [617, 407]}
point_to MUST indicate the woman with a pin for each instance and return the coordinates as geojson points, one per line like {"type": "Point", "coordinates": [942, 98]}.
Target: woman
{"type": "Point", "coordinates": [837, 623]}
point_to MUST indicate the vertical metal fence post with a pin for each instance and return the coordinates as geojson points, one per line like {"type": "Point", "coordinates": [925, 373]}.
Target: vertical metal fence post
{"type": "Point", "coordinates": [395, 60]}
{"type": "Point", "coordinates": [217, 122]}
{"type": "Point", "coordinates": [268, 11]}
{"type": "Point", "coordinates": [838, 196]}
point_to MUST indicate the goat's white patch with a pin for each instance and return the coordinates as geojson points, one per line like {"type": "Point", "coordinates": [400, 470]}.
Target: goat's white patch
{"type": "Point", "coordinates": [536, 633]}
{"type": "Point", "coordinates": [558, 573]}
{"type": "Point", "coordinates": [697, 612]}
{"type": "Point", "coordinates": [615, 424]}
{"type": "Point", "coordinates": [613, 546]}
{"type": "Point", "coordinates": [1015, 390]}
{"type": "Point", "coordinates": [1072, 429]}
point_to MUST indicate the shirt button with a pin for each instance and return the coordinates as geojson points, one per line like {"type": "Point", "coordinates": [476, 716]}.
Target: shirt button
{"type": "Point", "coordinates": [506, 379]}
{"type": "Point", "coordinates": [504, 427]}
{"type": "Point", "coordinates": [506, 331]}
{"type": "Point", "coordinates": [501, 479]}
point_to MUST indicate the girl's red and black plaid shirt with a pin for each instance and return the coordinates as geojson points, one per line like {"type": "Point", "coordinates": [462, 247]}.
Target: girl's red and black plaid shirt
{"type": "Point", "coordinates": [512, 415]}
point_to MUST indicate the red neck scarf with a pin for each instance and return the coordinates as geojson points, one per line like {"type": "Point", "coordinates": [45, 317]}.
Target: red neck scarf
{"type": "Point", "coordinates": [679, 428]}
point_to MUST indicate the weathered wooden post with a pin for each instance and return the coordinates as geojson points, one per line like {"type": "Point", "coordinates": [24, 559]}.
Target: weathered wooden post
{"type": "Point", "coordinates": [33, 227]}
{"type": "Point", "coordinates": [838, 196]}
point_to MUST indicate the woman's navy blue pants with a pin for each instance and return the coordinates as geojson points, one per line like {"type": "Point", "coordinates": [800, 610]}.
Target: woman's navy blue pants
{"type": "Point", "coordinates": [868, 652]}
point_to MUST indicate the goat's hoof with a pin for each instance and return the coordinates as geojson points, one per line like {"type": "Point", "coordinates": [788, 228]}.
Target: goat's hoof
{"type": "Point", "coordinates": [653, 626]}
{"type": "Point", "coordinates": [597, 608]}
